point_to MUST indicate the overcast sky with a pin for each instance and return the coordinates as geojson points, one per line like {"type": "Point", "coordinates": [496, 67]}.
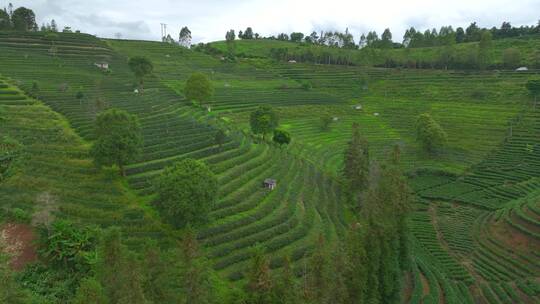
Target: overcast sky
{"type": "Point", "coordinates": [210, 19]}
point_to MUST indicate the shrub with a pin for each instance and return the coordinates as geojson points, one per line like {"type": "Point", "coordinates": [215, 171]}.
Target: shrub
{"type": "Point", "coordinates": [429, 133]}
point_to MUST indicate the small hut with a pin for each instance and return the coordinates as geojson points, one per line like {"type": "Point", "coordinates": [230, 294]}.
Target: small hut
{"type": "Point", "coordinates": [269, 183]}
{"type": "Point", "coordinates": [522, 69]}
{"type": "Point", "coordinates": [102, 65]}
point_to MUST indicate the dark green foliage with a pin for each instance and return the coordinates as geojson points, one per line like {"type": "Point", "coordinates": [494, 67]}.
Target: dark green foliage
{"type": "Point", "coordinates": [230, 36]}
{"type": "Point", "coordinates": [10, 151]}
{"type": "Point", "coordinates": [10, 291]}
{"type": "Point", "coordinates": [356, 164]}
{"type": "Point", "coordinates": [118, 139]}
{"type": "Point", "coordinates": [159, 282]}
{"type": "Point", "coordinates": [286, 288]}
{"type": "Point", "coordinates": [5, 20]}
{"type": "Point", "coordinates": [281, 137]}
{"type": "Point", "coordinates": [79, 96]}
{"type": "Point", "coordinates": [24, 19]}
{"type": "Point", "coordinates": [199, 88]}
{"type": "Point", "coordinates": [263, 120]}
{"type": "Point", "coordinates": [35, 89]}
{"type": "Point", "coordinates": [141, 67]}
{"type": "Point", "coordinates": [90, 291]}
{"type": "Point", "coordinates": [196, 283]}
{"type": "Point", "coordinates": [220, 137]}
{"type": "Point", "coordinates": [51, 285]}
{"type": "Point", "coordinates": [69, 247]}
{"type": "Point", "coordinates": [357, 262]}
{"type": "Point", "coordinates": [118, 270]}
{"type": "Point", "coordinates": [259, 281]}
{"type": "Point", "coordinates": [318, 274]}
{"type": "Point", "coordinates": [484, 48]}
{"type": "Point", "coordinates": [429, 133]}
{"type": "Point", "coordinates": [297, 37]}
{"type": "Point", "coordinates": [187, 190]}
{"type": "Point", "coordinates": [306, 85]}
{"type": "Point", "coordinates": [533, 85]}
{"type": "Point", "coordinates": [326, 120]}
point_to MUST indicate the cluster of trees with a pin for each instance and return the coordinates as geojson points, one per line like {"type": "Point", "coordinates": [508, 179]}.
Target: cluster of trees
{"type": "Point", "coordinates": [90, 265]}
{"type": "Point", "coordinates": [264, 120]}
{"type": "Point", "coordinates": [380, 196]}
{"type": "Point", "coordinates": [473, 33]}
{"type": "Point", "coordinates": [20, 19]}
{"type": "Point", "coordinates": [24, 19]}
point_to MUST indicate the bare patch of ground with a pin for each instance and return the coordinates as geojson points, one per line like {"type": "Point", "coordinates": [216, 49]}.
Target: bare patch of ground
{"type": "Point", "coordinates": [18, 241]}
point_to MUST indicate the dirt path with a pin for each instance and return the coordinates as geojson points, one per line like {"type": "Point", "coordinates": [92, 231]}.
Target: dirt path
{"type": "Point", "coordinates": [425, 284]}
{"type": "Point", "coordinates": [19, 242]}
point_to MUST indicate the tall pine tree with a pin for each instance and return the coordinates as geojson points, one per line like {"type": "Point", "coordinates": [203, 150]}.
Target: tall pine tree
{"type": "Point", "coordinates": [356, 165]}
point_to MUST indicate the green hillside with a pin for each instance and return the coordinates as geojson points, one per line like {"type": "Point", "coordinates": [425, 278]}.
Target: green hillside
{"type": "Point", "coordinates": [286, 220]}
{"type": "Point", "coordinates": [425, 57]}
{"type": "Point", "coordinates": [475, 223]}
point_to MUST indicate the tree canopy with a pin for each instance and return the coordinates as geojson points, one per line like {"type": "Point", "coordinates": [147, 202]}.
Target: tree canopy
{"type": "Point", "coordinates": [141, 67]}
{"type": "Point", "coordinates": [356, 164]}
{"type": "Point", "coordinates": [186, 190]}
{"type": "Point", "coordinates": [429, 133]}
{"type": "Point", "coordinates": [24, 19]}
{"type": "Point", "coordinates": [198, 88]}
{"type": "Point", "coordinates": [5, 20]}
{"type": "Point", "coordinates": [281, 137]}
{"type": "Point", "coordinates": [263, 120]}
{"type": "Point", "coordinates": [118, 138]}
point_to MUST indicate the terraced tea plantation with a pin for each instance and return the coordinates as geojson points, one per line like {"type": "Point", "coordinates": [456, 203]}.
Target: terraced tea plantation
{"type": "Point", "coordinates": [476, 218]}
{"type": "Point", "coordinates": [285, 221]}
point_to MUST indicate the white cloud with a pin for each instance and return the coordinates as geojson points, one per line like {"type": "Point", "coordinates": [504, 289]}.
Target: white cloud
{"type": "Point", "coordinates": [210, 19]}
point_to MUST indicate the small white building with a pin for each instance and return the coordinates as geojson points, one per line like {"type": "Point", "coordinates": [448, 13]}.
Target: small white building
{"type": "Point", "coordinates": [102, 65]}
{"type": "Point", "coordinates": [521, 69]}
{"type": "Point", "coordinates": [270, 183]}
{"type": "Point", "coordinates": [376, 114]}
{"type": "Point", "coordinates": [358, 107]}
{"type": "Point", "coordinates": [292, 61]}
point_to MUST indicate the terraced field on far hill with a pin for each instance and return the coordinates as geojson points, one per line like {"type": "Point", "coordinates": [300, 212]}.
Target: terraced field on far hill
{"type": "Point", "coordinates": [285, 221]}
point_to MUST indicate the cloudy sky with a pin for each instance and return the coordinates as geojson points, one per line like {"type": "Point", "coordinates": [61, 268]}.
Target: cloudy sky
{"type": "Point", "coordinates": [210, 19]}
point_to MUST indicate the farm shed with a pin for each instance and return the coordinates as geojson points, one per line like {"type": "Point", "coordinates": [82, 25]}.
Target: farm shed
{"type": "Point", "coordinates": [270, 183]}
{"type": "Point", "coordinates": [102, 65]}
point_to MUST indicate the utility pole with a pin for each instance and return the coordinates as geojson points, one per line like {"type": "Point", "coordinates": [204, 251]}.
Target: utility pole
{"type": "Point", "coordinates": [163, 31]}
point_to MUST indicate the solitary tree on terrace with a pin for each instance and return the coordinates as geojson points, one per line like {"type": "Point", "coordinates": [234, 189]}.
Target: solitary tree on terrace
{"type": "Point", "coordinates": [430, 134]}
{"type": "Point", "coordinates": [198, 88]}
{"type": "Point", "coordinates": [281, 137]}
{"type": "Point", "coordinates": [119, 139]}
{"type": "Point", "coordinates": [141, 67]}
{"type": "Point", "coordinates": [187, 190]}
{"type": "Point", "coordinates": [263, 120]}
{"type": "Point", "coordinates": [184, 38]}
{"type": "Point", "coordinates": [229, 38]}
